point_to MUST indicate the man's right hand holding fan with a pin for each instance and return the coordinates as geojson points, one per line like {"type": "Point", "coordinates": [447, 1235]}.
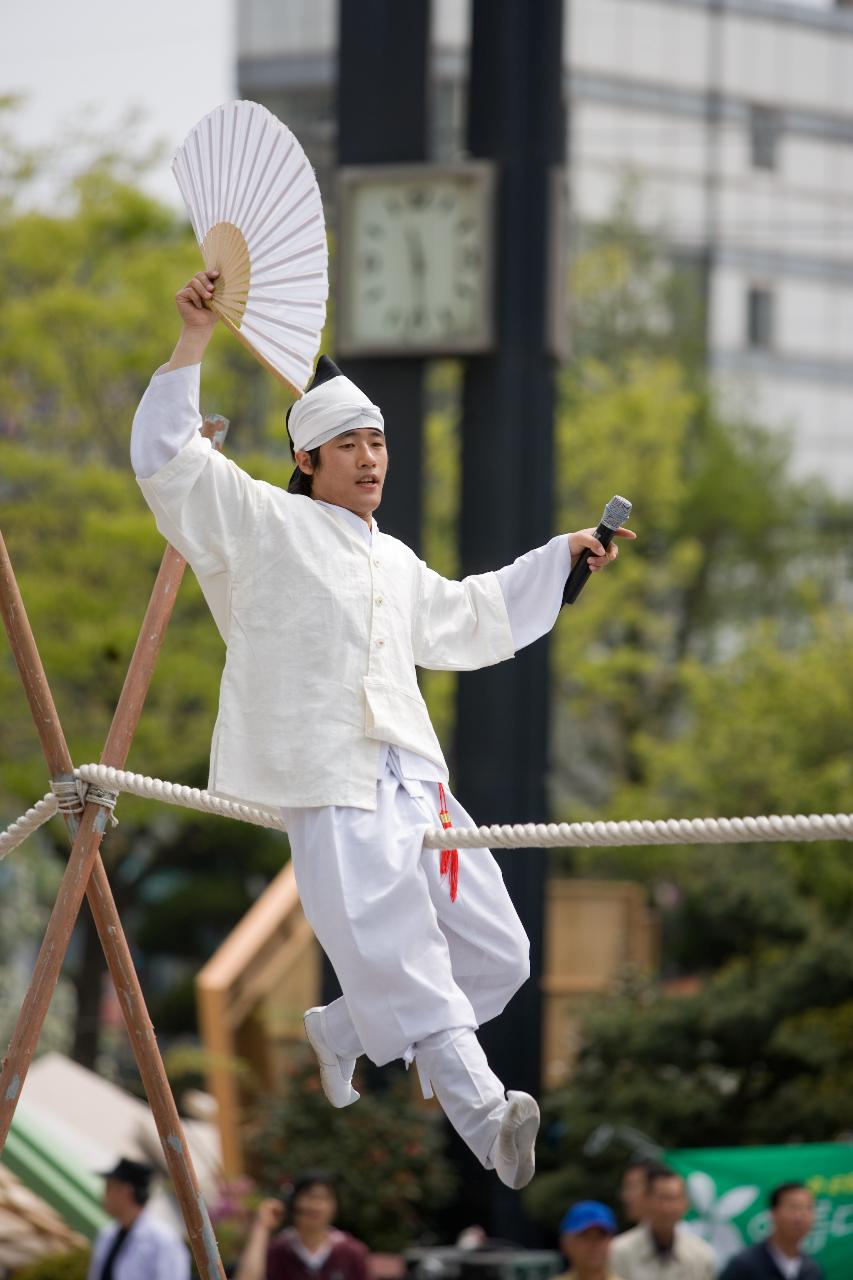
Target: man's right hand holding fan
{"type": "Point", "coordinates": [198, 320]}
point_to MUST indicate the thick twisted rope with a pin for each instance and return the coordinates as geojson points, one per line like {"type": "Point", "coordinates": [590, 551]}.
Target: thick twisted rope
{"type": "Point", "coordinates": [175, 793]}
{"type": "Point", "coordinates": [104, 782]}
{"type": "Point", "coordinates": [28, 822]}
{"type": "Point", "coordinates": [564, 835]}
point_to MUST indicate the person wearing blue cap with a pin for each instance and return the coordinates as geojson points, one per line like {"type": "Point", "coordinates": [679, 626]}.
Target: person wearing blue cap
{"type": "Point", "coordinates": [585, 1235]}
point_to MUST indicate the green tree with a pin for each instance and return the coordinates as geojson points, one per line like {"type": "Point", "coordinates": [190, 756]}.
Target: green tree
{"type": "Point", "coordinates": [89, 316]}
{"type": "Point", "coordinates": [706, 675]}
{"type": "Point", "coordinates": [758, 1054]}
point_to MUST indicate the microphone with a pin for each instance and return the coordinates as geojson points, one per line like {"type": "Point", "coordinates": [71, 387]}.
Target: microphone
{"type": "Point", "coordinates": [617, 511]}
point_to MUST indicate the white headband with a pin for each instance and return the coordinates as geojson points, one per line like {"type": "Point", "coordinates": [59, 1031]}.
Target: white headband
{"type": "Point", "coordinates": [328, 410]}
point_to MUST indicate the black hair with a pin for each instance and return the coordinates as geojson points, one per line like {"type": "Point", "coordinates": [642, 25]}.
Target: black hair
{"type": "Point", "coordinates": [300, 481]}
{"type": "Point", "coordinates": [657, 1172]}
{"type": "Point", "coordinates": [645, 1164]}
{"type": "Point", "coordinates": [778, 1193]}
{"type": "Point", "coordinates": [305, 1181]}
{"type": "Point", "coordinates": [140, 1194]}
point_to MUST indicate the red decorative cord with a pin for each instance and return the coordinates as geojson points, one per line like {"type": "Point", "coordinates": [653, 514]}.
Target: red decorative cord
{"type": "Point", "coordinates": [449, 857]}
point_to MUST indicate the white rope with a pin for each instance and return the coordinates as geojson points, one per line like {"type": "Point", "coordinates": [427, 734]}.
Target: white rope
{"type": "Point", "coordinates": [104, 783]}
{"type": "Point", "coordinates": [542, 835]}
{"type": "Point", "coordinates": [564, 835]}
{"type": "Point", "coordinates": [174, 793]}
{"type": "Point", "coordinates": [28, 822]}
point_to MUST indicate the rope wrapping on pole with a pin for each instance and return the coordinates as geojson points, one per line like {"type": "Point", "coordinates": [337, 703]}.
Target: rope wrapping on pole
{"type": "Point", "coordinates": [102, 783]}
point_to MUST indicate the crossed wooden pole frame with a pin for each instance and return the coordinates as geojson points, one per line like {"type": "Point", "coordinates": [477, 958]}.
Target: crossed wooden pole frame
{"type": "Point", "coordinates": [85, 876]}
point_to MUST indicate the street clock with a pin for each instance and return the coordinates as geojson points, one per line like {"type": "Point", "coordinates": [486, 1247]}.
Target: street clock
{"type": "Point", "coordinates": [415, 260]}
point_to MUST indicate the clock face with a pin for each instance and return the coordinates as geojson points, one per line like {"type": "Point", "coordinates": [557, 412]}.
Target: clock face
{"type": "Point", "coordinates": [415, 269]}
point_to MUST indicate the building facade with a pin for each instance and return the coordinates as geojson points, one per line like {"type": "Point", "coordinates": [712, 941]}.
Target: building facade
{"type": "Point", "coordinates": [735, 118]}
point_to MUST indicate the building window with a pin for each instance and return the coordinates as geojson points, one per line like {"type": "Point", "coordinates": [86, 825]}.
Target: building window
{"type": "Point", "coordinates": [764, 130]}
{"type": "Point", "coordinates": [759, 317]}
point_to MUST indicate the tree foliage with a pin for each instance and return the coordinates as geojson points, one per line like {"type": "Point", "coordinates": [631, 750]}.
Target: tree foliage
{"type": "Point", "coordinates": [386, 1154]}
{"type": "Point", "coordinates": [88, 318]}
{"type": "Point", "coordinates": [709, 674]}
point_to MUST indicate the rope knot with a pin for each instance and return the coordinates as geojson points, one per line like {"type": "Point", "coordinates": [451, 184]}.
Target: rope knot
{"type": "Point", "coordinates": [70, 793]}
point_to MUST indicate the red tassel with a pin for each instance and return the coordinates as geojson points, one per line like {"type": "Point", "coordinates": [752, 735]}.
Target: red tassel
{"type": "Point", "coordinates": [449, 857]}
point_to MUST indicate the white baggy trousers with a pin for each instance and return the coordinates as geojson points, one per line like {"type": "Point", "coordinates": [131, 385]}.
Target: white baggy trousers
{"type": "Point", "coordinates": [418, 972]}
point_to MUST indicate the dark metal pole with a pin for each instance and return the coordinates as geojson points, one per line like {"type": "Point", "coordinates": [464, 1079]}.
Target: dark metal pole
{"type": "Point", "coordinates": [383, 118]}
{"type": "Point", "coordinates": [516, 118]}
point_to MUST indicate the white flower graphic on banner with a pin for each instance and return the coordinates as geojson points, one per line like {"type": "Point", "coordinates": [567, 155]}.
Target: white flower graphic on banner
{"type": "Point", "coordinates": [715, 1216]}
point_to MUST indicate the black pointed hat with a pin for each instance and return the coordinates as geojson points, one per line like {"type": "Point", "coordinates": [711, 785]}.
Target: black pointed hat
{"type": "Point", "coordinates": [325, 371]}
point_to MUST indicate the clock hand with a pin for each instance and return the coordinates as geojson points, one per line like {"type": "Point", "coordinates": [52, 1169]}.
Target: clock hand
{"type": "Point", "coordinates": [418, 263]}
{"type": "Point", "coordinates": [416, 252]}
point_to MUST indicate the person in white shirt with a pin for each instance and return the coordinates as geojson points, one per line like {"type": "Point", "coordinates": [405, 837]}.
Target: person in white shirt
{"type": "Point", "coordinates": [135, 1246]}
{"type": "Point", "coordinates": [325, 619]}
{"type": "Point", "coordinates": [660, 1247]}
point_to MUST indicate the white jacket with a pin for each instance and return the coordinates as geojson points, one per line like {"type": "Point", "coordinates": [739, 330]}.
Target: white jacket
{"type": "Point", "coordinates": [152, 1251]}
{"type": "Point", "coordinates": [323, 630]}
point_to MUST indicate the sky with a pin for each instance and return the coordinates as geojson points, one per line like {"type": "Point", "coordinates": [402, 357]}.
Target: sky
{"type": "Point", "coordinates": [86, 64]}
{"type": "Point", "coordinates": [91, 61]}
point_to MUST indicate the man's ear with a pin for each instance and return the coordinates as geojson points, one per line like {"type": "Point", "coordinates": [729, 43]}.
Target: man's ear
{"type": "Point", "coordinates": [303, 462]}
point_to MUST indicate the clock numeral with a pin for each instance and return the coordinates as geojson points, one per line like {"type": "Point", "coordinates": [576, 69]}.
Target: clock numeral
{"type": "Point", "coordinates": [393, 204]}
{"type": "Point", "coordinates": [446, 319]}
{"type": "Point", "coordinates": [470, 258]}
{"type": "Point", "coordinates": [375, 230]}
{"type": "Point", "coordinates": [393, 317]}
{"type": "Point", "coordinates": [373, 294]}
{"type": "Point", "coordinates": [463, 290]}
{"type": "Point", "coordinates": [466, 224]}
{"type": "Point", "coordinates": [370, 262]}
{"type": "Point", "coordinates": [447, 201]}
{"type": "Point", "coordinates": [419, 197]}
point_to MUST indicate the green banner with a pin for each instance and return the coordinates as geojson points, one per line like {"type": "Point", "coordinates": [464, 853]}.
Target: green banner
{"type": "Point", "coordinates": [729, 1189]}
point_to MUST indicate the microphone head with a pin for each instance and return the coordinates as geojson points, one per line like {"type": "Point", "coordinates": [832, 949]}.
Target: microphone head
{"type": "Point", "coordinates": [617, 511]}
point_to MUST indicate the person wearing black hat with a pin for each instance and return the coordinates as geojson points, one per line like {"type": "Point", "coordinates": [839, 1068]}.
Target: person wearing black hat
{"type": "Point", "coordinates": [135, 1246]}
{"type": "Point", "coordinates": [326, 619]}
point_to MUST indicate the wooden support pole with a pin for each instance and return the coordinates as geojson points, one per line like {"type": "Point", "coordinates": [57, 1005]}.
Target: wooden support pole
{"type": "Point", "coordinates": [85, 874]}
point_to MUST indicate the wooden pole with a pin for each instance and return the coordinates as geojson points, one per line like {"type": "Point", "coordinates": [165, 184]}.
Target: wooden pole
{"type": "Point", "coordinates": [85, 874]}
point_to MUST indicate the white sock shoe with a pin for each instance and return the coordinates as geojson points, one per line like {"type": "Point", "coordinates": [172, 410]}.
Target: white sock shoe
{"type": "Point", "coordinates": [514, 1152]}
{"type": "Point", "coordinates": [471, 1095]}
{"type": "Point", "coordinates": [335, 1072]}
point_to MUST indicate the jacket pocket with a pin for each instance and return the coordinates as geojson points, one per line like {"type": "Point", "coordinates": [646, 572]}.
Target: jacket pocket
{"type": "Point", "coordinates": [401, 718]}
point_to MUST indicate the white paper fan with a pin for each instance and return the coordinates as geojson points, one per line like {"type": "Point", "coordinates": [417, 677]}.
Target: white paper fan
{"type": "Point", "coordinates": [255, 208]}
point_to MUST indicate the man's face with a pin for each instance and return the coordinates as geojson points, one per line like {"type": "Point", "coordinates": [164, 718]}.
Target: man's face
{"type": "Point", "coordinates": [633, 1194]}
{"type": "Point", "coordinates": [586, 1250]}
{"type": "Point", "coordinates": [351, 471]}
{"type": "Point", "coordinates": [793, 1217]}
{"type": "Point", "coordinates": [118, 1197]}
{"type": "Point", "coordinates": [666, 1204]}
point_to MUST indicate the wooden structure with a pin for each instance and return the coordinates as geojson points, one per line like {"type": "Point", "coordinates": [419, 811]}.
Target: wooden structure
{"type": "Point", "coordinates": [85, 877]}
{"type": "Point", "coordinates": [251, 996]}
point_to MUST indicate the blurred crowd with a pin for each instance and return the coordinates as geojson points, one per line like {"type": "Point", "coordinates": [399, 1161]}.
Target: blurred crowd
{"type": "Point", "coordinates": [295, 1238]}
{"type": "Point", "coordinates": [659, 1245]}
